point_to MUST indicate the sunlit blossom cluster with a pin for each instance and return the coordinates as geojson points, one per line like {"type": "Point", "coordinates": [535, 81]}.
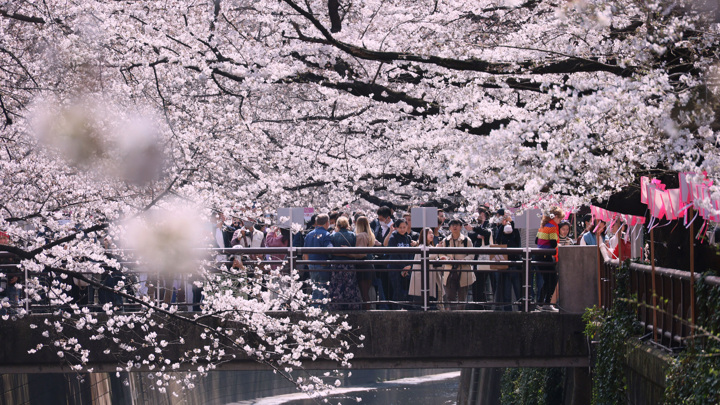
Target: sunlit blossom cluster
{"type": "Point", "coordinates": [114, 114]}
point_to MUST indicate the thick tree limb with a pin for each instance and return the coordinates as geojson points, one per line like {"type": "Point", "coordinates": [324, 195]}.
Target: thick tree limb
{"type": "Point", "coordinates": [570, 65]}
{"type": "Point", "coordinates": [22, 17]}
{"type": "Point", "coordinates": [334, 12]}
{"type": "Point", "coordinates": [375, 91]}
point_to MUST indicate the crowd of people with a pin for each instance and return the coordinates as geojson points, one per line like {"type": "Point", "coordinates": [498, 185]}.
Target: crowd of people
{"type": "Point", "coordinates": [360, 283]}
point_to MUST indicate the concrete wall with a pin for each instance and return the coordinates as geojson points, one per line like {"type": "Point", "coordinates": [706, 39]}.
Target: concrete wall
{"type": "Point", "coordinates": [646, 369]}
{"type": "Point", "coordinates": [393, 339]}
{"type": "Point", "coordinates": [577, 285]}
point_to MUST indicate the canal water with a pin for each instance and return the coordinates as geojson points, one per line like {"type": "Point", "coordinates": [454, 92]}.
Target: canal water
{"type": "Point", "coordinates": [367, 387]}
{"type": "Point", "coordinates": [387, 387]}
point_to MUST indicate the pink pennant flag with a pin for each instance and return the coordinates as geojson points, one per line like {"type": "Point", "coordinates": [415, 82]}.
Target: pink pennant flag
{"type": "Point", "coordinates": [716, 206]}
{"type": "Point", "coordinates": [701, 196]}
{"type": "Point", "coordinates": [611, 219]}
{"type": "Point", "coordinates": [667, 203]}
{"type": "Point", "coordinates": [648, 189]}
{"type": "Point", "coordinates": [685, 188]}
{"type": "Point", "coordinates": [655, 197]}
{"type": "Point", "coordinates": [603, 214]}
{"type": "Point", "coordinates": [658, 184]}
{"type": "Point", "coordinates": [644, 181]}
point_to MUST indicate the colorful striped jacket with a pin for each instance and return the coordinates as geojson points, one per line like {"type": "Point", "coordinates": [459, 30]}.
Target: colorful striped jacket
{"type": "Point", "coordinates": [547, 236]}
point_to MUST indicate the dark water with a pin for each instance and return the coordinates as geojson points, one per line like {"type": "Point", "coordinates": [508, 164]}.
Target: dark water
{"type": "Point", "coordinates": [430, 389]}
{"type": "Point", "coordinates": [389, 386]}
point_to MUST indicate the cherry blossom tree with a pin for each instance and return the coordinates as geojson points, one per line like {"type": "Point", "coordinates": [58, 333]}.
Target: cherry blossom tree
{"type": "Point", "coordinates": [113, 109]}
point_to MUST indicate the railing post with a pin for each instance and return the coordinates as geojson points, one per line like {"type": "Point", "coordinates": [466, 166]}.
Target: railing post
{"type": "Point", "coordinates": [27, 297]}
{"type": "Point", "coordinates": [599, 271]}
{"type": "Point", "coordinates": [291, 254]}
{"type": "Point", "coordinates": [654, 291]}
{"type": "Point", "coordinates": [527, 263]}
{"type": "Point", "coordinates": [692, 272]}
{"type": "Point", "coordinates": [425, 279]}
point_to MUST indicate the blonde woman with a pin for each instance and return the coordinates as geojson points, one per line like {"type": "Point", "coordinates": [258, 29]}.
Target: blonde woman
{"type": "Point", "coordinates": [364, 237]}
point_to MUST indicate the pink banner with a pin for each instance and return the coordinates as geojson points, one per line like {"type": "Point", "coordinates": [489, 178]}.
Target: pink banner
{"type": "Point", "coordinates": [655, 201]}
{"type": "Point", "coordinates": [667, 203]}
{"type": "Point", "coordinates": [644, 181]}
{"type": "Point", "coordinates": [677, 207]}
{"type": "Point", "coordinates": [685, 192]}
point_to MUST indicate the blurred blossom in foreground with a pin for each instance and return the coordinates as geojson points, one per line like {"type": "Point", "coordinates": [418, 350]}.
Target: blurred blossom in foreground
{"type": "Point", "coordinates": [139, 158]}
{"type": "Point", "coordinates": [92, 133]}
{"type": "Point", "coordinates": [73, 129]}
{"type": "Point", "coordinates": [167, 240]}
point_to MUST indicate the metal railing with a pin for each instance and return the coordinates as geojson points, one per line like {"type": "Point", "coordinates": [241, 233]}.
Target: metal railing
{"type": "Point", "coordinates": [518, 261]}
{"type": "Point", "coordinates": [670, 320]}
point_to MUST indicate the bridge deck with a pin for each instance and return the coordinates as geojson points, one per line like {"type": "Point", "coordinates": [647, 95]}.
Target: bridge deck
{"type": "Point", "coordinates": [393, 339]}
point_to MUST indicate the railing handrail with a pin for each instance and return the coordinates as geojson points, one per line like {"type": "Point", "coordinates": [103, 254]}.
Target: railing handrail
{"type": "Point", "coordinates": [682, 274]}
{"type": "Point", "coordinates": [510, 260]}
{"type": "Point", "coordinates": [381, 250]}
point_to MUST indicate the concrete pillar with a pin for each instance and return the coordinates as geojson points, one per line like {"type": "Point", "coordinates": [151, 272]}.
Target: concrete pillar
{"type": "Point", "coordinates": [578, 386]}
{"type": "Point", "coordinates": [480, 386]}
{"type": "Point", "coordinates": [577, 283]}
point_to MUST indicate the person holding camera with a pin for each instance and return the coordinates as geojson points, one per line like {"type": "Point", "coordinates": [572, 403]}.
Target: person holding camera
{"type": "Point", "coordinates": [508, 280]}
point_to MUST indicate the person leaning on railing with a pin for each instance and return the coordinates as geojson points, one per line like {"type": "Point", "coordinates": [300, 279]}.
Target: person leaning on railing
{"type": "Point", "coordinates": [344, 290]}
{"type": "Point", "coordinates": [398, 283]}
{"type": "Point", "coordinates": [364, 237]}
{"type": "Point", "coordinates": [457, 282]}
{"type": "Point", "coordinates": [509, 279]}
{"type": "Point", "coordinates": [547, 238]}
{"type": "Point", "coordinates": [319, 273]}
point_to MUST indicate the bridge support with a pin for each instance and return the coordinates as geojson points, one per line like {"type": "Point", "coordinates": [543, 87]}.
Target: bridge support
{"type": "Point", "coordinates": [482, 386]}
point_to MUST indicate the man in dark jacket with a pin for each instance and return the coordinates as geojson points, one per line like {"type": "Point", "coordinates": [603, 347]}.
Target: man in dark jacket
{"type": "Point", "coordinates": [509, 279]}
{"type": "Point", "coordinates": [382, 227]}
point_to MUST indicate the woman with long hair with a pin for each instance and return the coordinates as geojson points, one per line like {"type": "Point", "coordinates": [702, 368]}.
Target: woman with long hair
{"type": "Point", "coordinates": [564, 238]}
{"type": "Point", "coordinates": [343, 288]}
{"type": "Point", "coordinates": [435, 284]}
{"type": "Point", "coordinates": [547, 238]}
{"type": "Point", "coordinates": [364, 237]}
{"type": "Point", "coordinates": [592, 236]}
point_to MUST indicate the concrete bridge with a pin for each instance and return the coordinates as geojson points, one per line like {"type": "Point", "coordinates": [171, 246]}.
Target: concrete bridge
{"type": "Point", "coordinates": [394, 339]}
